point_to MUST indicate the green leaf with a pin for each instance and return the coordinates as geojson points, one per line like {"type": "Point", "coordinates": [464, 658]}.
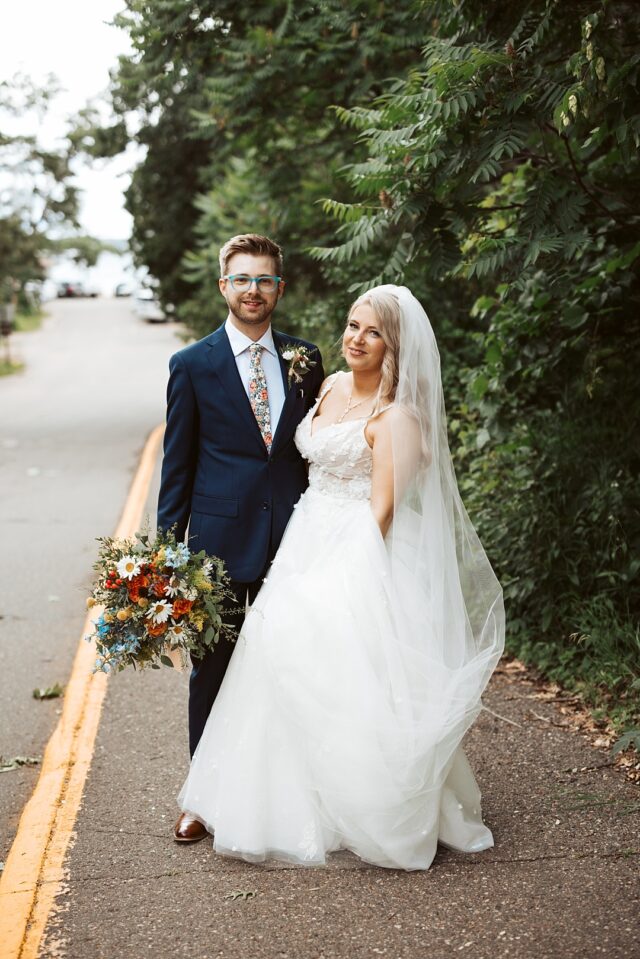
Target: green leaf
{"type": "Point", "coordinates": [629, 739]}
{"type": "Point", "coordinates": [482, 305]}
{"type": "Point", "coordinates": [50, 692]}
{"type": "Point", "coordinates": [482, 438]}
{"type": "Point", "coordinates": [7, 765]}
{"type": "Point", "coordinates": [166, 661]}
{"type": "Point", "coordinates": [493, 354]}
{"type": "Point", "coordinates": [479, 386]}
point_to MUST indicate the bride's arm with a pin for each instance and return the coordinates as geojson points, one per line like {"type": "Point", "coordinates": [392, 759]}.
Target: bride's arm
{"type": "Point", "coordinates": [395, 447]}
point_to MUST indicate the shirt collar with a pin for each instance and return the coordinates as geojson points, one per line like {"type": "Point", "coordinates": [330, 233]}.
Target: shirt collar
{"type": "Point", "coordinates": [240, 341]}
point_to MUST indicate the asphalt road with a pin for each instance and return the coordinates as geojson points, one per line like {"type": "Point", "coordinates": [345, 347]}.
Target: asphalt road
{"type": "Point", "coordinates": [72, 427]}
{"type": "Point", "coordinates": [561, 883]}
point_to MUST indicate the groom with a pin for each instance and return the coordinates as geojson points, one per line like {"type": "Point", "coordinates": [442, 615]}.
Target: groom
{"type": "Point", "coordinates": [231, 470]}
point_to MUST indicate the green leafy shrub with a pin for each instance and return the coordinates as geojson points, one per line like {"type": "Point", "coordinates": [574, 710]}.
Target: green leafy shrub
{"type": "Point", "coordinates": [504, 170]}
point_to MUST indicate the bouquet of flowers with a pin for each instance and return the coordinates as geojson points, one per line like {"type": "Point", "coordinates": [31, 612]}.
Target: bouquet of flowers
{"type": "Point", "coordinates": [156, 597]}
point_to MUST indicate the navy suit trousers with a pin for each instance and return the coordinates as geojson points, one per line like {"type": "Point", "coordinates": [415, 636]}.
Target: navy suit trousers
{"type": "Point", "coordinates": [207, 673]}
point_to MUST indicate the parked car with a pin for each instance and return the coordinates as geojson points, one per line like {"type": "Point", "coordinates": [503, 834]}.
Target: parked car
{"type": "Point", "coordinates": [147, 306]}
{"type": "Point", "coordinates": [70, 288]}
{"type": "Point", "coordinates": [123, 289]}
{"type": "Point", "coordinates": [76, 288]}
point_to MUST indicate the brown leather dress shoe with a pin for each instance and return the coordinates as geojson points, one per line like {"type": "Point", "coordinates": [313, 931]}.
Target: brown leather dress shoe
{"type": "Point", "coordinates": [189, 829]}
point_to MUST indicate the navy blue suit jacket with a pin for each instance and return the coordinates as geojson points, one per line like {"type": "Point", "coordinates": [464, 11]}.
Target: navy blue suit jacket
{"type": "Point", "coordinates": [216, 473]}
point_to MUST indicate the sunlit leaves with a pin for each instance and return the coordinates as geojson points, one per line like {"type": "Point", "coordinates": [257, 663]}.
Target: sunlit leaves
{"type": "Point", "coordinates": [218, 86]}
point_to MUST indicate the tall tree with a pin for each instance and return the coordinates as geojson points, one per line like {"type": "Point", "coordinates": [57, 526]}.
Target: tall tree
{"type": "Point", "coordinates": [37, 195]}
{"type": "Point", "coordinates": [38, 198]}
{"type": "Point", "coordinates": [502, 178]}
{"type": "Point", "coordinates": [235, 109]}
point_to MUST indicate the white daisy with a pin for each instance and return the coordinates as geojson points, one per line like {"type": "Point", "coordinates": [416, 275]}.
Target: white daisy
{"type": "Point", "coordinates": [288, 355]}
{"type": "Point", "coordinates": [176, 585]}
{"type": "Point", "coordinates": [128, 567]}
{"type": "Point", "coordinates": [159, 611]}
{"type": "Point", "coordinates": [176, 632]}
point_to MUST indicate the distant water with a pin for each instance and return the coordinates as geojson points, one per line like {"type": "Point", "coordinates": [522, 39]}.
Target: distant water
{"type": "Point", "coordinates": [111, 269]}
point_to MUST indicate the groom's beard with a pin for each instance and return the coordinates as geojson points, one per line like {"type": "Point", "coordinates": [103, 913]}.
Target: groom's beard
{"type": "Point", "coordinates": [258, 316]}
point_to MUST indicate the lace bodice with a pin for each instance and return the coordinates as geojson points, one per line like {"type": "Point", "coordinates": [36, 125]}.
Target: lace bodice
{"type": "Point", "coordinates": [340, 460]}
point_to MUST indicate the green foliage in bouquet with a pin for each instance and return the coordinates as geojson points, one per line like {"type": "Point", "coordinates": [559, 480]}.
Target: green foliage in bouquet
{"type": "Point", "coordinates": [157, 596]}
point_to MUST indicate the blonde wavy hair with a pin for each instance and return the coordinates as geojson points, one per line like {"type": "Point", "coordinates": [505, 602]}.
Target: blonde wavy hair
{"type": "Point", "coordinates": [387, 310]}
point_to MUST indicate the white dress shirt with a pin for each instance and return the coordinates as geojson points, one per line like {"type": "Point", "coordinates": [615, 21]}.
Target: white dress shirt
{"type": "Point", "coordinates": [270, 364]}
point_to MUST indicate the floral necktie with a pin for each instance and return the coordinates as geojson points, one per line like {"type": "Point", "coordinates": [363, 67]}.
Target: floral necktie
{"type": "Point", "coordinates": [259, 395]}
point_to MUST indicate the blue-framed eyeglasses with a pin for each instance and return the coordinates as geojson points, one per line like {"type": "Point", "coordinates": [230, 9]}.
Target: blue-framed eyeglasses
{"type": "Point", "coordinates": [240, 282]}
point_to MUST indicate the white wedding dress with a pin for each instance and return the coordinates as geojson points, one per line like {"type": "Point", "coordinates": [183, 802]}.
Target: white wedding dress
{"type": "Point", "coordinates": [330, 729]}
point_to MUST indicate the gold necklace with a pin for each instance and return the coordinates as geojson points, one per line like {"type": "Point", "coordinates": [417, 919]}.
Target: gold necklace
{"type": "Point", "coordinates": [349, 407]}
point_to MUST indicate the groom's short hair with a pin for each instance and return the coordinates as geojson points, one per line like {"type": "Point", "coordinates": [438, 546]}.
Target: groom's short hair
{"type": "Point", "coordinates": [251, 243]}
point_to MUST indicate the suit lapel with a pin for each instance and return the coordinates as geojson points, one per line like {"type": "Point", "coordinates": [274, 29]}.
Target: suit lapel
{"type": "Point", "coordinates": [224, 365]}
{"type": "Point", "coordinates": [290, 391]}
{"type": "Point", "coordinates": [280, 342]}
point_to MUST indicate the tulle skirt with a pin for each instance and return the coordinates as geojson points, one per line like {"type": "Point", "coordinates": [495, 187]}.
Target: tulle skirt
{"type": "Point", "coordinates": [338, 724]}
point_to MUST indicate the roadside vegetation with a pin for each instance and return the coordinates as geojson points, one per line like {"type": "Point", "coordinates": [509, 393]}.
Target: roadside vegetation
{"type": "Point", "coordinates": [39, 202]}
{"type": "Point", "coordinates": [28, 321]}
{"type": "Point", "coordinates": [7, 367]}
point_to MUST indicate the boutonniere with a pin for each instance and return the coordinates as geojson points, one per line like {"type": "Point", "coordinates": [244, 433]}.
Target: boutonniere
{"type": "Point", "coordinates": [299, 360]}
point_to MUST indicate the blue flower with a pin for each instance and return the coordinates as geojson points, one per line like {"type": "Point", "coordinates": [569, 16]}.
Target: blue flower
{"type": "Point", "coordinates": [133, 643]}
{"type": "Point", "coordinates": [175, 558]}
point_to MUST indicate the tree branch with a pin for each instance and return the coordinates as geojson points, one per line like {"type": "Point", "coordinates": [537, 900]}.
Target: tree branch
{"type": "Point", "coordinates": [578, 178]}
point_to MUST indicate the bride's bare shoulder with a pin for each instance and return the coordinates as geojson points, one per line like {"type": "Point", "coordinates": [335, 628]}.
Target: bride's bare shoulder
{"type": "Point", "coordinates": [326, 382]}
{"type": "Point", "coordinates": [393, 415]}
{"type": "Point", "coordinates": [392, 421]}
{"type": "Point", "coordinates": [332, 380]}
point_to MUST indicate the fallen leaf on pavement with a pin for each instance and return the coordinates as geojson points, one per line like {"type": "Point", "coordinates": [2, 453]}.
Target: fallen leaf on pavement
{"type": "Point", "coordinates": [6, 765]}
{"type": "Point", "coordinates": [244, 894]}
{"type": "Point", "coordinates": [51, 692]}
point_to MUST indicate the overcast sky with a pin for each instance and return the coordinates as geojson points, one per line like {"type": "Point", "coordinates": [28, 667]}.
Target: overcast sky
{"type": "Point", "coordinates": [73, 39]}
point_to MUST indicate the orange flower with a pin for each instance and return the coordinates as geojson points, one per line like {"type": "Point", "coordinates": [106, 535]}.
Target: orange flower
{"type": "Point", "coordinates": [135, 585]}
{"type": "Point", "coordinates": [159, 587]}
{"type": "Point", "coordinates": [157, 629]}
{"type": "Point", "coordinates": [181, 606]}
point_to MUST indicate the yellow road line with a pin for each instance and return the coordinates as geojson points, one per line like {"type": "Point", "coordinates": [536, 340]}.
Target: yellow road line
{"type": "Point", "coordinates": [33, 871]}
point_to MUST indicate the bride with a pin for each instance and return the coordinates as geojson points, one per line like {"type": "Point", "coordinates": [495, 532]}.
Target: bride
{"type": "Point", "coordinates": [362, 661]}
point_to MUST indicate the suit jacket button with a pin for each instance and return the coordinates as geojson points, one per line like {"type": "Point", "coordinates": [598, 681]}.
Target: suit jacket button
{"type": "Point", "coordinates": [266, 506]}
